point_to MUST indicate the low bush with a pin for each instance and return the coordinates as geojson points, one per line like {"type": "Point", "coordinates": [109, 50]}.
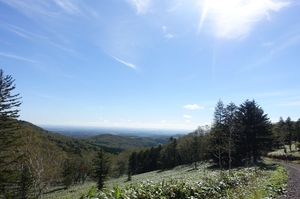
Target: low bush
{"type": "Point", "coordinates": [250, 182]}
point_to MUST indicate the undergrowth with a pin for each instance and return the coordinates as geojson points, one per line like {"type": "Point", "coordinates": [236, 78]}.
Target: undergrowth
{"type": "Point", "coordinates": [251, 182]}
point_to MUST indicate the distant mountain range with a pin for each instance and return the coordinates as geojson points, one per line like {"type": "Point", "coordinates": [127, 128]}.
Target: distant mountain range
{"type": "Point", "coordinates": [82, 132]}
{"type": "Point", "coordinates": [81, 140]}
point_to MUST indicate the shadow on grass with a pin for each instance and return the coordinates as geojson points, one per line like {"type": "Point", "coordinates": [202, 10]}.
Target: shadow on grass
{"type": "Point", "coordinates": [262, 165]}
{"type": "Point", "coordinates": [55, 190]}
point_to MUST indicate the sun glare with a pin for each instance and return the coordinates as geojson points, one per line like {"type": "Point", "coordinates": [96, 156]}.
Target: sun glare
{"type": "Point", "coordinates": [222, 6]}
{"type": "Point", "coordinates": [235, 18]}
{"type": "Point", "coordinates": [220, 9]}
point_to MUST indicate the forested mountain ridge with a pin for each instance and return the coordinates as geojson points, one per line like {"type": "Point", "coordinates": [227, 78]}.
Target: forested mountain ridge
{"type": "Point", "coordinates": [81, 146]}
{"type": "Point", "coordinates": [126, 142]}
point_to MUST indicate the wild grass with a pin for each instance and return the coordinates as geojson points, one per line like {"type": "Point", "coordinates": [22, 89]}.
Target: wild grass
{"type": "Point", "coordinates": [264, 181]}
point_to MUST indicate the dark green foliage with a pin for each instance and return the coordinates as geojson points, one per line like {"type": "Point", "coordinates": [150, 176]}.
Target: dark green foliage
{"type": "Point", "coordinates": [25, 183]}
{"type": "Point", "coordinates": [169, 156]}
{"type": "Point", "coordinates": [239, 135]}
{"type": "Point", "coordinates": [101, 168]}
{"type": "Point", "coordinates": [9, 111]}
{"type": "Point", "coordinates": [133, 165]}
{"type": "Point", "coordinates": [82, 171]}
{"type": "Point", "coordinates": [297, 131]}
{"type": "Point", "coordinates": [9, 102]}
{"type": "Point", "coordinates": [288, 128]}
{"type": "Point", "coordinates": [68, 173]}
{"type": "Point", "coordinates": [254, 132]}
{"type": "Point", "coordinates": [199, 145]}
{"type": "Point", "coordinates": [116, 143]}
{"type": "Point", "coordinates": [219, 136]}
{"type": "Point", "coordinates": [145, 160]}
{"type": "Point", "coordinates": [285, 132]}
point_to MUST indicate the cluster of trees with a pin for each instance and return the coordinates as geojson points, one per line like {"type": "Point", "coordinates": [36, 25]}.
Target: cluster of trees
{"type": "Point", "coordinates": [285, 132]}
{"type": "Point", "coordinates": [239, 135]}
{"type": "Point", "coordinates": [29, 163]}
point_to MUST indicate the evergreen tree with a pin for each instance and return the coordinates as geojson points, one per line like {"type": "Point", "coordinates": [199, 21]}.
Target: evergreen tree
{"type": "Point", "coordinates": [288, 129]}
{"type": "Point", "coordinates": [9, 112]}
{"type": "Point", "coordinates": [278, 134]}
{"type": "Point", "coordinates": [25, 183]}
{"type": "Point", "coordinates": [297, 130]}
{"type": "Point", "coordinates": [230, 124]}
{"type": "Point", "coordinates": [133, 165]}
{"type": "Point", "coordinates": [68, 173]}
{"type": "Point", "coordinates": [254, 131]}
{"type": "Point", "coordinates": [101, 168]}
{"type": "Point", "coordinates": [9, 102]}
{"type": "Point", "coordinates": [169, 154]}
{"type": "Point", "coordinates": [219, 134]}
{"type": "Point", "coordinates": [196, 148]}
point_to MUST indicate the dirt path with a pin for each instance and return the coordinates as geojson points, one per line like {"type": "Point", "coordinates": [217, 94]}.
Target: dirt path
{"type": "Point", "coordinates": [293, 185]}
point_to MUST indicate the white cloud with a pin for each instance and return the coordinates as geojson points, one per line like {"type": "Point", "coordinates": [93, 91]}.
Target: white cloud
{"type": "Point", "coordinates": [125, 63]}
{"type": "Point", "coordinates": [31, 8]}
{"type": "Point", "coordinates": [234, 19]}
{"type": "Point", "coordinates": [267, 44]}
{"type": "Point", "coordinates": [163, 122]}
{"type": "Point", "coordinates": [141, 6]}
{"type": "Point", "coordinates": [193, 106]}
{"type": "Point", "coordinates": [166, 34]}
{"type": "Point", "coordinates": [17, 57]}
{"type": "Point", "coordinates": [294, 103]}
{"type": "Point", "coordinates": [187, 116]}
{"type": "Point", "coordinates": [68, 6]}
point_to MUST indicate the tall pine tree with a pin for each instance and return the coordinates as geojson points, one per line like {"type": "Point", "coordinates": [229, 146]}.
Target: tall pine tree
{"type": "Point", "coordinates": [9, 112]}
{"type": "Point", "coordinates": [254, 136]}
{"type": "Point", "coordinates": [101, 168]}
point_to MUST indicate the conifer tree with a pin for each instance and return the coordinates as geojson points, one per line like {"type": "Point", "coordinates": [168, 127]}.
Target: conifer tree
{"type": "Point", "coordinates": [9, 112]}
{"type": "Point", "coordinates": [254, 136]}
{"type": "Point", "coordinates": [25, 182]}
{"type": "Point", "coordinates": [219, 136]}
{"type": "Point", "coordinates": [68, 173]}
{"type": "Point", "coordinates": [288, 131]}
{"type": "Point", "coordinates": [101, 168]}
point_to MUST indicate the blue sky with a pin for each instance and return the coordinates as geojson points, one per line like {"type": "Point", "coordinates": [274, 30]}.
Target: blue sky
{"type": "Point", "coordinates": [150, 63]}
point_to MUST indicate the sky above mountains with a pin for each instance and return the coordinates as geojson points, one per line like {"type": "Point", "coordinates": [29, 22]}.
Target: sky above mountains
{"type": "Point", "coordinates": [150, 63]}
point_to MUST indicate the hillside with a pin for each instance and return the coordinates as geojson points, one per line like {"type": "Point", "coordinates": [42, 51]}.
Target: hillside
{"type": "Point", "coordinates": [83, 146]}
{"type": "Point", "coordinates": [125, 142]}
{"type": "Point", "coordinates": [186, 182]}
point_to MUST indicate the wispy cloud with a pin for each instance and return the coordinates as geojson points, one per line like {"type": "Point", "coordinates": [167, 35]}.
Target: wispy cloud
{"type": "Point", "coordinates": [21, 32]}
{"type": "Point", "coordinates": [295, 103]}
{"type": "Point", "coordinates": [68, 6]}
{"type": "Point", "coordinates": [63, 48]}
{"type": "Point", "coordinates": [187, 116]}
{"type": "Point", "coordinates": [166, 34]}
{"type": "Point", "coordinates": [267, 44]}
{"type": "Point", "coordinates": [35, 37]}
{"type": "Point", "coordinates": [235, 19]}
{"type": "Point", "coordinates": [49, 9]}
{"type": "Point", "coordinates": [12, 56]}
{"type": "Point", "coordinates": [32, 8]}
{"type": "Point", "coordinates": [193, 107]}
{"type": "Point", "coordinates": [125, 63]}
{"type": "Point", "coordinates": [141, 6]}
{"type": "Point", "coordinates": [282, 45]}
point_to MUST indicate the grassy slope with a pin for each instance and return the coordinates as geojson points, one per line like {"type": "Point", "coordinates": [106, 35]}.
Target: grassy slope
{"type": "Point", "coordinates": [265, 181]}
